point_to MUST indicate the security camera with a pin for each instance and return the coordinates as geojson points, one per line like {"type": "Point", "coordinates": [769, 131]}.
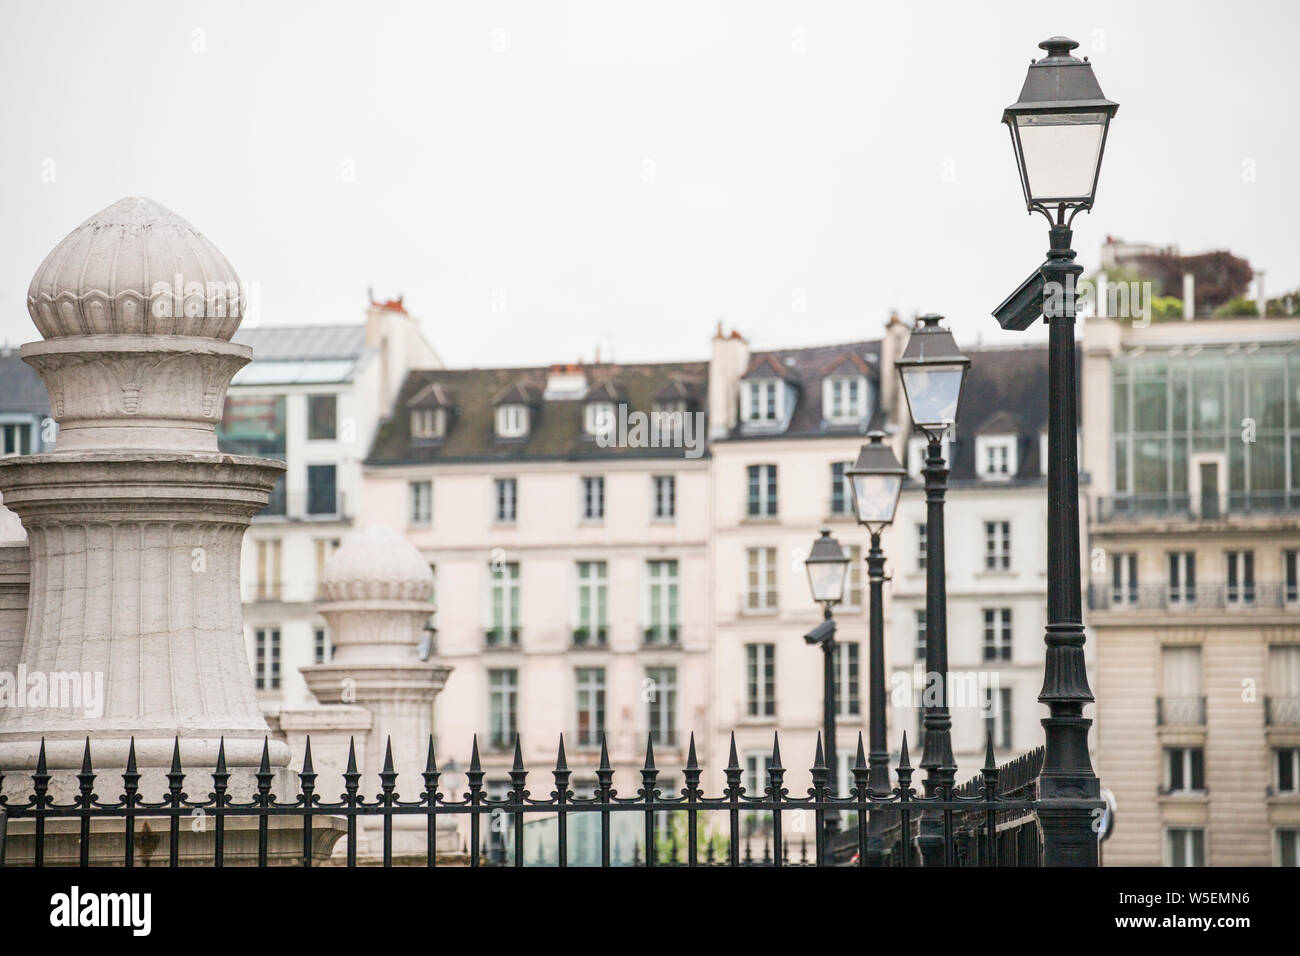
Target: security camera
{"type": "Point", "coordinates": [1024, 307]}
{"type": "Point", "coordinates": [822, 633]}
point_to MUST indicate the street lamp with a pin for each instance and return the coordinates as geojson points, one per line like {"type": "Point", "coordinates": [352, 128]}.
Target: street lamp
{"type": "Point", "coordinates": [828, 569]}
{"type": "Point", "coordinates": [1058, 131]}
{"type": "Point", "coordinates": [876, 480]}
{"type": "Point", "coordinates": [933, 370]}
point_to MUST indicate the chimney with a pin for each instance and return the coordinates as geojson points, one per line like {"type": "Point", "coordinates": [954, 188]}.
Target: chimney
{"type": "Point", "coordinates": [1189, 297]}
{"type": "Point", "coordinates": [1261, 298]}
{"type": "Point", "coordinates": [727, 363]}
{"type": "Point", "coordinates": [892, 344]}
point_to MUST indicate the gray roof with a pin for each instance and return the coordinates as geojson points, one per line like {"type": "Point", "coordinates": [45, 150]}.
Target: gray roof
{"type": "Point", "coordinates": [21, 389]}
{"type": "Point", "coordinates": [304, 342]}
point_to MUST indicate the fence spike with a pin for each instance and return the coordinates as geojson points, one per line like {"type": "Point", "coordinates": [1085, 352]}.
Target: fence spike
{"type": "Point", "coordinates": [430, 763]}
{"type": "Point", "coordinates": [561, 765]}
{"type": "Point", "coordinates": [474, 764]}
{"type": "Point", "coordinates": [733, 762]}
{"type": "Point", "coordinates": [131, 779]}
{"type": "Point", "coordinates": [221, 755]}
{"type": "Point", "coordinates": [86, 769]}
{"type": "Point", "coordinates": [519, 757]}
{"type": "Point", "coordinates": [903, 762]}
{"type": "Point", "coordinates": [860, 762]}
{"type": "Point", "coordinates": [352, 756]}
{"type": "Point", "coordinates": [776, 752]}
{"type": "Point", "coordinates": [989, 762]}
{"type": "Point", "coordinates": [40, 759]}
{"type": "Point", "coordinates": [176, 757]}
{"type": "Point", "coordinates": [691, 762]}
{"type": "Point", "coordinates": [265, 766]}
{"type": "Point", "coordinates": [306, 759]}
{"type": "Point", "coordinates": [649, 753]}
{"type": "Point", "coordinates": [604, 753]}
{"type": "Point", "coordinates": [819, 759]}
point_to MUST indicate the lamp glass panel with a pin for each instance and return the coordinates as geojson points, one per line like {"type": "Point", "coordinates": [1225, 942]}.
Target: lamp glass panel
{"type": "Point", "coordinates": [1060, 152]}
{"type": "Point", "coordinates": [827, 580]}
{"type": "Point", "coordinates": [932, 393]}
{"type": "Point", "coordinates": [876, 497]}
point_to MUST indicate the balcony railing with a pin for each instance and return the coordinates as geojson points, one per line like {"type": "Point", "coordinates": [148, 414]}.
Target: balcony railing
{"type": "Point", "coordinates": [1212, 596]}
{"type": "Point", "coordinates": [501, 636]}
{"type": "Point", "coordinates": [1282, 711]}
{"type": "Point", "coordinates": [591, 636]}
{"type": "Point", "coordinates": [1162, 505]}
{"type": "Point", "coordinates": [1180, 711]}
{"type": "Point", "coordinates": [304, 506]}
{"type": "Point", "coordinates": [663, 635]}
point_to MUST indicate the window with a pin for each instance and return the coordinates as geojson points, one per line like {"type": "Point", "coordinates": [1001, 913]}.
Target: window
{"type": "Point", "coordinates": [847, 692]}
{"type": "Point", "coordinates": [322, 493]}
{"type": "Point", "coordinates": [853, 588]}
{"type": "Point", "coordinates": [920, 547]}
{"type": "Point", "coordinates": [1291, 576]}
{"type": "Point", "coordinates": [667, 420]}
{"type": "Point", "coordinates": [662, 601]}
{"type": "Point", "coordinates": [996, 456]}
{"type": "Point", "coordinates": [1288, 846]}
{"type": "Point", "coordinates": [920, 633]}
{"type": "Point", "coordinates": [998, 724]}
{"type": "Point", "coordinates": [1287, 762]}
{"type": "Point", "coordinates": [661, 705]}
{"type": "Point", "coordinates": [841, 495]}
{"type": "Point", "coordinates": [1182, 577]}
{"type": "Point", "coordinates": [762, 491]}
{"type": "Point", "coordinates": [325, 547]}
{"type": "Point", "coordinates": [1181, 685]}
{"type": "Point", "coordinates": [420, 496]}
{"type": "Point", "coordinates": [15, 439]}
{"type": "Point", "coordinates": [1241, 577]}
{"type": "Point", "coordinates": [427, 422]}
{"type": "Point", "coordinates": [844, 398]}
{"type": "Point", "coordinates": [505, 499]}
{"type": "Point", "coordinates": [593, 599]}
{"type": "Point", "coordinates": [997, 545]}
{"type": "Point", "coordinates": [665, 497]}
{"type": "Point", "coordinates": [322, 417]}
{"type": "Point", "coordinates": [512, 421]}
{"type": "Point", "coordinates": [1124, 579]}
{"type": "Point", "coordinates": [756, 779]}
{"type": "Point", "coordinates": [503, 707]}
{"type": "Point", "coordinates": [593, 499]}
{"type": "Point", "coordinates": [268, 570]}
{"type": "Point", "coordinates": [760, 593]}
{"type": "Point", "coordinates": [1184, 770]}
{"type": "Point", "coordinates": [600, 418]}
{"type": "Point", "coordinates": [760, 680]}
{"type": "Point", "coordinates": [321, 651]}
{"type": "Point", "coordinates": [266, 658]}
{"type": "Point", "coordinates": [1185, 846]}
{"type": "Point", "coordinates": [997, 633]}
{"type": "Point", "coordinates": [504, 628]}
{"type": "Point", "coordinates": [762, 401]}
{"type": "Point", "coordinates": [590, 704]}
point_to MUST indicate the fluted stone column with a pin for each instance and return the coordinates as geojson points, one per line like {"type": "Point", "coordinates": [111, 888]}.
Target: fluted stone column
{"type": "Point", "coordinates": [135, 520]}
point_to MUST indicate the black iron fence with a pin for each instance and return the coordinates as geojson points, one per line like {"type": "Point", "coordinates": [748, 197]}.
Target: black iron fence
{"type": "Point", "coordinates": [988, 821]}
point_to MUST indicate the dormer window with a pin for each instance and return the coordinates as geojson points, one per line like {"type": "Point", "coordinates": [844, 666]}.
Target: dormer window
{"type": "Point", "coordinates": [844, 399]}
{"type": "Point", "coordinates": [512, 420]}
{"type": "Point", "coordinates": [996, 457]}
{"type": "Point", "coordinates": [428, 423]}
{"type": "Point", "coordinates": [763, 405]}
{"type": "Point", "coordinates": [916, 452]}
{"type": "Point", "coordinates": [600, 418]}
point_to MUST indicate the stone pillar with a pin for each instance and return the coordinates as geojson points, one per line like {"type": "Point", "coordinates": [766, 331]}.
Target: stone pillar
{"type": "Point", "coordinates": [377, 591]}
{"type": "Point", "coordinates": [135, 520]}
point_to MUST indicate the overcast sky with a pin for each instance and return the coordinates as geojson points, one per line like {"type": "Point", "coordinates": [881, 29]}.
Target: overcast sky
{"type": "Point", "coordinates": [540, 179]}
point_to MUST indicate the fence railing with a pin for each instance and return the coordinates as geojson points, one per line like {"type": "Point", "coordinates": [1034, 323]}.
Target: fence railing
{"type": "Point", "coordinates": [1162, 505]}
{"type": "Point", "coordinates": [990, 820]}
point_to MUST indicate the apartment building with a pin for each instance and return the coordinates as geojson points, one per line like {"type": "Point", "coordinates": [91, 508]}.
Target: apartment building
{"type": "Point", "coordinates": [784, 426]}
{"type": "Point", "coordinates": [1191, 438]}
{"type": "Point", "coordinates": [995, 525]}
{"type": "Point", "coordinates": [311, 397]}
{"type": "Point", "coordinates": [565, 512]}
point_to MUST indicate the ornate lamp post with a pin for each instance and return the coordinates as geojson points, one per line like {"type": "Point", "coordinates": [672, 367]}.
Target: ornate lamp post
{"type": "Point", "coordinates": [875, 481]}
{"type": "Point", "coordinates": [828, 569]}
{"type": "Point", "coordinates": [933, 369]}
{"type": "Point", "coordinates": [1058, 130]}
